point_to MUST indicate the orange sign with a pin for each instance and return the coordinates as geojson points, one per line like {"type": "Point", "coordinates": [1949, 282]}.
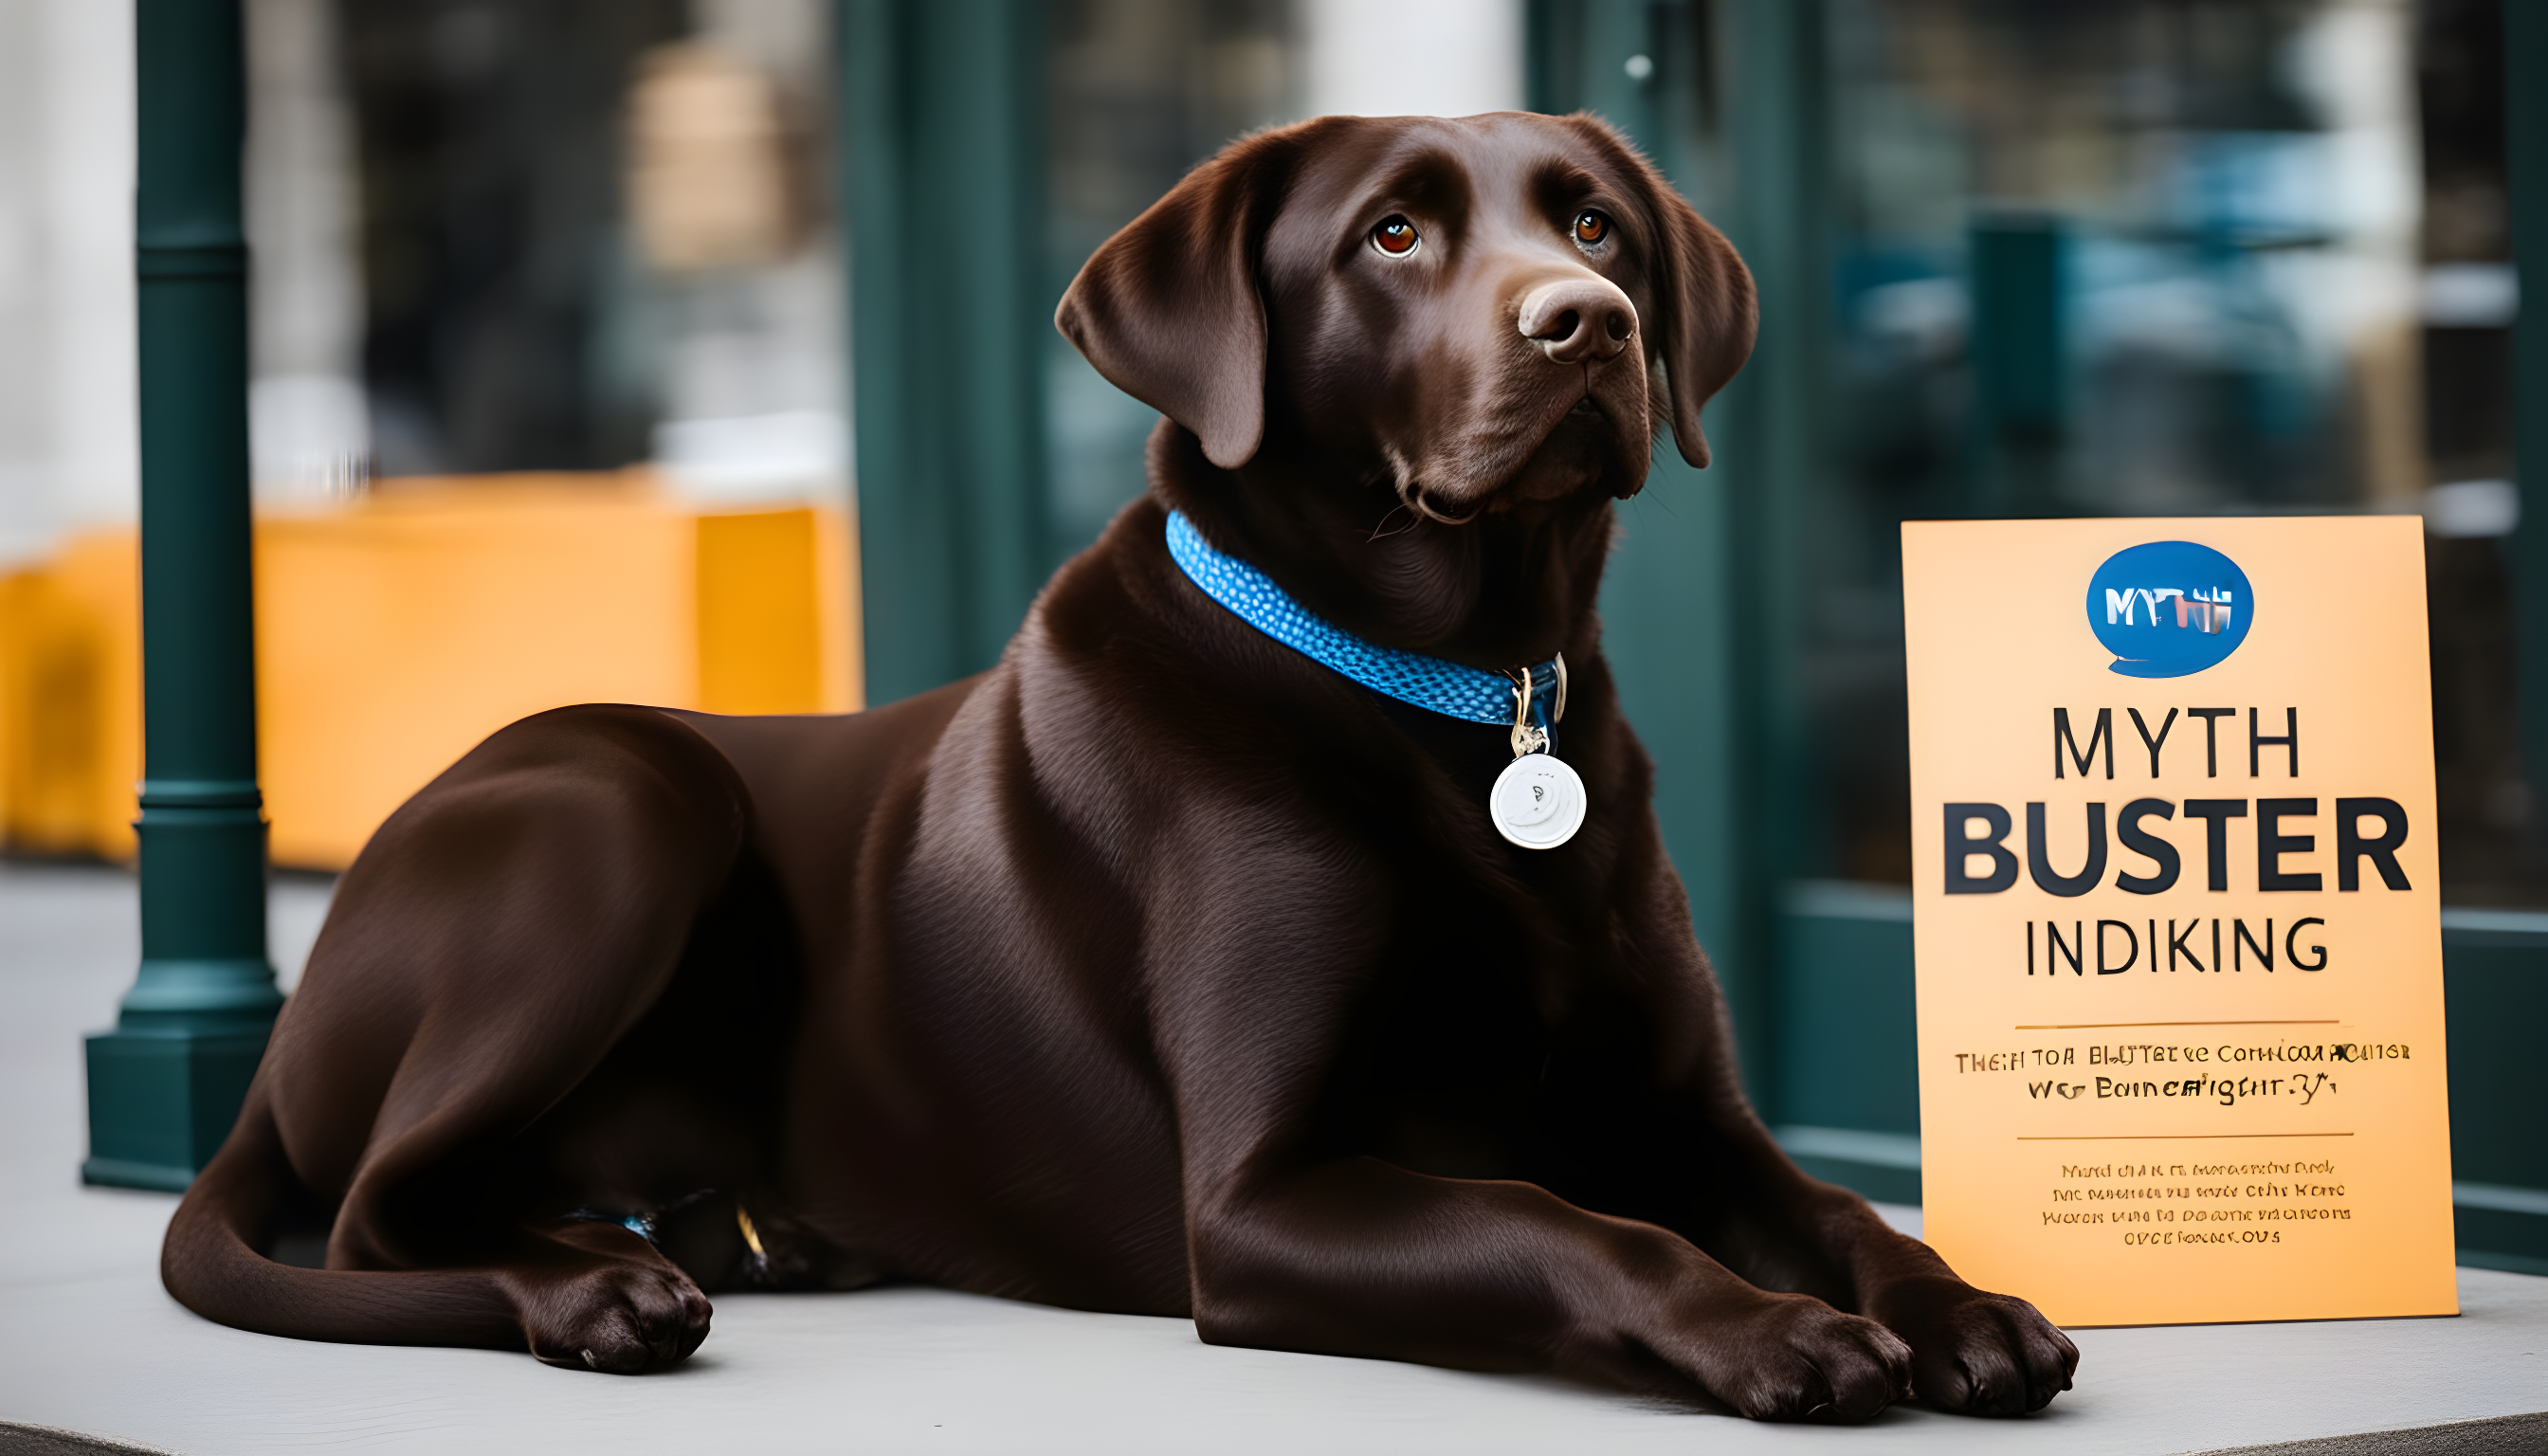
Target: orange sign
{"type": "Point", "coordinates": [2176, 905]}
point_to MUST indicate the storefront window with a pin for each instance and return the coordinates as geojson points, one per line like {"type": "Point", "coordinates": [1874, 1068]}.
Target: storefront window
{"type": "Point", "coordinates": [2163, 259]}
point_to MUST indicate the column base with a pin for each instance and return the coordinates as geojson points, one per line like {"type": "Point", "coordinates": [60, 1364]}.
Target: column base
{"type": "Point", "coordinates": [159, 1104]}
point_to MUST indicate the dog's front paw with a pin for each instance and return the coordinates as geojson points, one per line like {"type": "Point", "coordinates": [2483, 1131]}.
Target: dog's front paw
{"type": "Point", "coordinates": [630, 1315]}
{"type": "Point", "coordinates": [1977, 1353]}
{"type": "Point", "coordinates": [1795, 1358]}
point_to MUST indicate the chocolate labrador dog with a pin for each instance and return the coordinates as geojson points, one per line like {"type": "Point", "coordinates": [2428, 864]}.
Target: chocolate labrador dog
{"type": "Point", "coordinates": [1160, 969]}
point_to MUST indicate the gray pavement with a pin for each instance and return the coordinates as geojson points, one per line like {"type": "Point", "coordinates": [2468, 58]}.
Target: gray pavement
{"type": "Point", "coordinates": [89, 1342]}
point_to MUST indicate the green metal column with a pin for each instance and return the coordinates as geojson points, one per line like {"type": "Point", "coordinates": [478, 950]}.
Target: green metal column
{"type": "Point", "coordinates": [1699, 606]}
{"type": "Point", "coordinates": [165, 1085]}
{"type": "Point", "coordinates": [1775, 110]}
{"type": "Point", "coordinates": [2020, 380]}
{"type": "Point", "coordinates": [944, 105]}
{"type": "Point", "coordinates": [2526, 63]}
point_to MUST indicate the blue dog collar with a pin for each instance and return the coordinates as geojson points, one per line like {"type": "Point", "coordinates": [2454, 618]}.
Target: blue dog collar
{"type": "Point", "coordinates": [1428, 682]}
{"type": "Point", "coordinates": [1537, 804]}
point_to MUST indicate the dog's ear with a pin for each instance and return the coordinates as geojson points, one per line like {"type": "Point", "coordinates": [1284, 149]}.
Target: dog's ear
{"type": "Point", "coordinates": [1168, 309]}
{"type": "Point", "coordinates": [1709, 313]}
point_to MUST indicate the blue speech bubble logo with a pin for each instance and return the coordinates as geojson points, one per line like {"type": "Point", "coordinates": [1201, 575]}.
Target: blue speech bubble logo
{"type": "Point", "coordinates": [2167, 608]}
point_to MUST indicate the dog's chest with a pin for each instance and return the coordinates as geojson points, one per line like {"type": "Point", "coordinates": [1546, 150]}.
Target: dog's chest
{"type": "Point", "coordinates": [1458, 1057]}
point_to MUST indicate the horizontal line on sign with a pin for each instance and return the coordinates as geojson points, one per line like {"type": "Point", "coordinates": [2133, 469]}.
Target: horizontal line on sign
{"type": "Point", "coordinates": [2101, 1026]}
{"type": "Point", "coordinates": [2172, 1136]}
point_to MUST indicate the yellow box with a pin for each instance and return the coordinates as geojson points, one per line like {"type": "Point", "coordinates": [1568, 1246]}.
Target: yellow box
{"type": "Point", "coordinates": [70, 699]}
{"type": "Point", "coordinates": [395, 632]}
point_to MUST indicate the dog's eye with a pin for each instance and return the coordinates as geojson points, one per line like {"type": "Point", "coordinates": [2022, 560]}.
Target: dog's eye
{"type": "Point", "coordinates": [1590, 227]}
{"type": "Point", "coordinates": [1395, 237]}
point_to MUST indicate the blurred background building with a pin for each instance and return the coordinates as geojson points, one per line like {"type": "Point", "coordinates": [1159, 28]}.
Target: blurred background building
{"type": "Point", "coordinates": [585, 367]}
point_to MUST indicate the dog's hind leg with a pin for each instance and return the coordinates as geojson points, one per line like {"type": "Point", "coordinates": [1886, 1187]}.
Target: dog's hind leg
{"type": "Point", "coordinates": [212, 1264]}
{"type": "Point", "coordinates": [500, 934]}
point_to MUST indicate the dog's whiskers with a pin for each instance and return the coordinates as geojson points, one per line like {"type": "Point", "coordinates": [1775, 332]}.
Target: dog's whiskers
{"type": "Point", "coordinates": [1412, 497]}
{"type": "Point", "coordinates": [1382, 529]}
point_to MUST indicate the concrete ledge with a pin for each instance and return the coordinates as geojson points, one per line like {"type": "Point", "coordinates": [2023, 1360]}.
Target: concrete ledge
{"type": "Point", "coordinates": [18, 1439]}
{"type": "Point", "coordinates": [2508, 1435]}
{"type": "Point", "coordinates": [92, 1344]}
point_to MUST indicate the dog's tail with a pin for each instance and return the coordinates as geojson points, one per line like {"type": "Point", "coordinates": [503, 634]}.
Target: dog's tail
{"type": "Point", "coordinates": [213, 1264]}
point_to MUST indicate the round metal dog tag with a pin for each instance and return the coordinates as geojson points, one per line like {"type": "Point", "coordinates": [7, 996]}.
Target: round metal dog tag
{"type": "Point", "coordinates": [1537, 802]}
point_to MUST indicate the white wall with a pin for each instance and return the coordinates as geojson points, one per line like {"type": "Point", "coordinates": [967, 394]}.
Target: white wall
{"type": "Point", "coordinates": [308, 424]}
{"type": "Point", "coordinates": [67, 449]}
{"type": "Point", "coordinates": [1412, 57]}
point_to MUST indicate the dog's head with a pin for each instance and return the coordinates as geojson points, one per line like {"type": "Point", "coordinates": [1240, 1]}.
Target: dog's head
{"type": "Point", "coordinates": [1467, 322]}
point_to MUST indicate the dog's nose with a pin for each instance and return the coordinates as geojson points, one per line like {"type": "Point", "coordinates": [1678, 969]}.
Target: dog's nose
{"type": "Point", "coordinates": [1577, 321]}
